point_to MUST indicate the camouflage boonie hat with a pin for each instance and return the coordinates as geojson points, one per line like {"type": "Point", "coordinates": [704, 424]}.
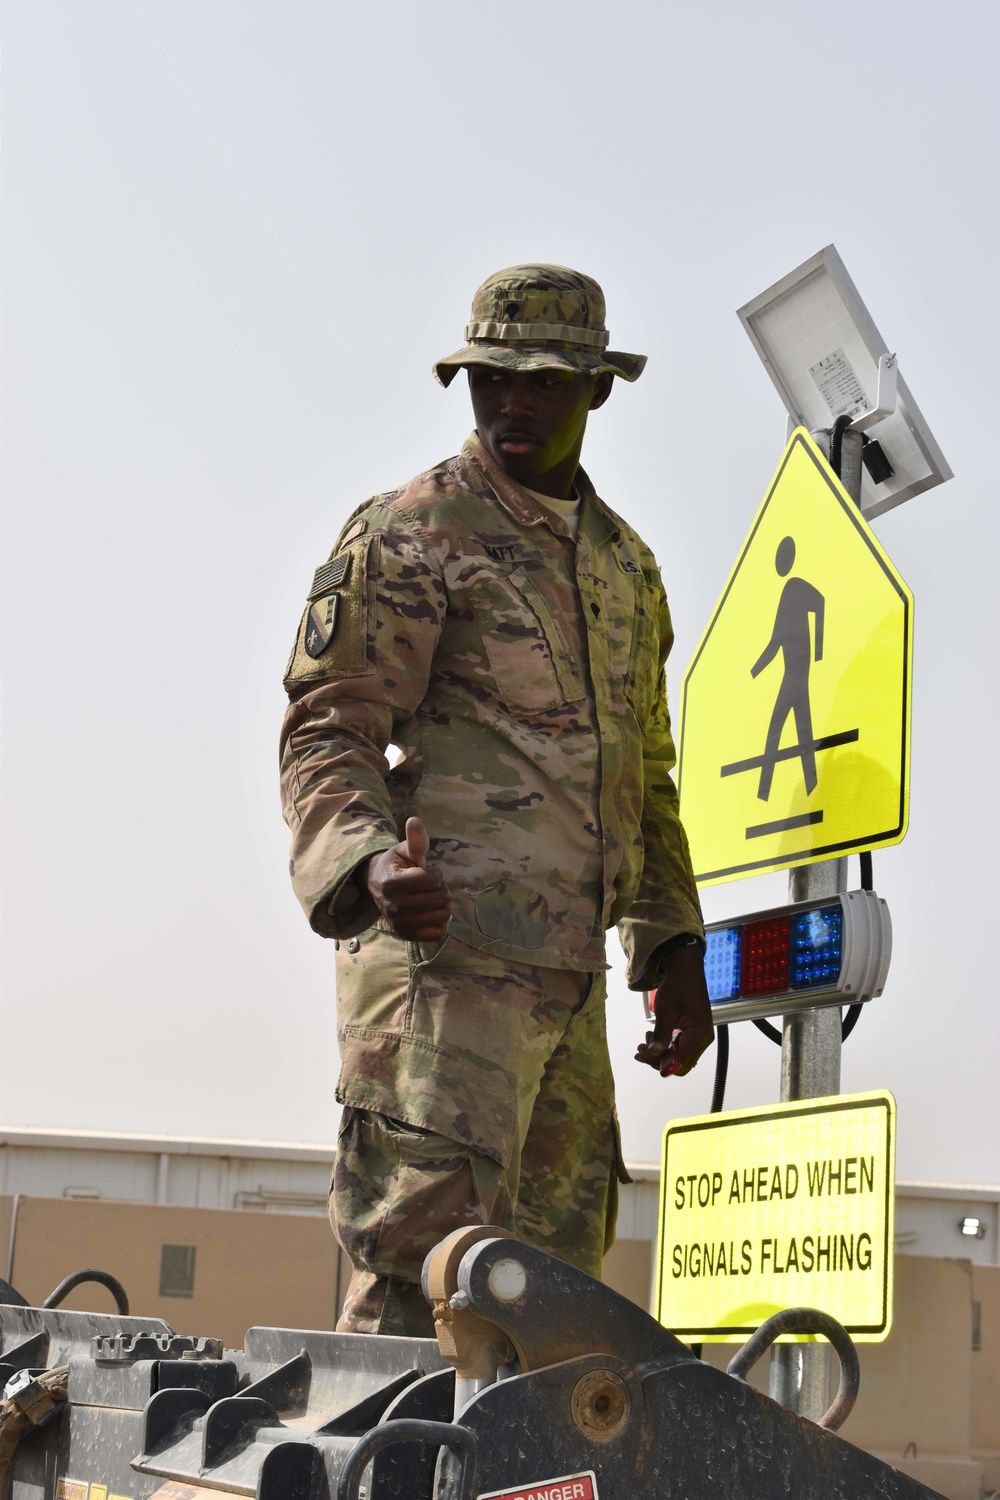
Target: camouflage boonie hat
{"type": "Point", "coordinates": [536, 318]}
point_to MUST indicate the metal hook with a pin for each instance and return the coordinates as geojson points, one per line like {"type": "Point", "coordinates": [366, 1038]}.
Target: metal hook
{"type": "Point", "coordinates": [807, 1320]}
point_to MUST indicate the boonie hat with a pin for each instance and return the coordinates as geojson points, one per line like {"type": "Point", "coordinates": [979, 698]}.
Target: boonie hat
{"type": "Point", "coordinates": [537, 318]}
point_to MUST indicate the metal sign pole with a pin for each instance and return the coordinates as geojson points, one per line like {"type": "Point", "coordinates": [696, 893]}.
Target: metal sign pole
{"type": "Point", "coordinates": [810, 1050]}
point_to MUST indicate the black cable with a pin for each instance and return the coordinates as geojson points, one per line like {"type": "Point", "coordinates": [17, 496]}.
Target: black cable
{"type": "Point", "coordinates": [841, 425]}
{"type": "Point", "coordinates": [769, 1031]}
{"type": "Point", "coordinates": [849, 1021]}
{"type": "Point", "coordinates": [721, 1068]}
{"type": "Point", "coordinates": [837, 444]}
{"type": "Point", "coordinates": [77, 1278]}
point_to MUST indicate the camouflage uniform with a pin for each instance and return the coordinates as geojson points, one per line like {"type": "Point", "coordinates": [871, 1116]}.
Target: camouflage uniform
{"type": "Point", "coordinates": [521, 675]}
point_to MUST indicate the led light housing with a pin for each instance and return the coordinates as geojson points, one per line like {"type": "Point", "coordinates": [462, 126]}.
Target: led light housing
{"type": "Point", "coordinates": [814, 953]}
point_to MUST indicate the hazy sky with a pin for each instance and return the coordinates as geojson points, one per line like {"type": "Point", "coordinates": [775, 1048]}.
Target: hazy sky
{"type": "Point", "coordinates": [237, 235]}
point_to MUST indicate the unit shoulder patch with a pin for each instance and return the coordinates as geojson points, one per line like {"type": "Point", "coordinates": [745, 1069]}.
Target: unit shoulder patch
{"type": "Point", "coordinates": [321, 622]}
{"type": "Point", "coordinates": [332, 640]}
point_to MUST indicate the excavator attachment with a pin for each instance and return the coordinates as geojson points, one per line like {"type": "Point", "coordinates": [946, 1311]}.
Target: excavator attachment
{"type": "Point", "coordinates": [542, 1385]}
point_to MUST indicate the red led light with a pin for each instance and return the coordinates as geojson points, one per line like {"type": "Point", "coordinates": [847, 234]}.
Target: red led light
{"type": "Point", "coordinates": [764, 963]}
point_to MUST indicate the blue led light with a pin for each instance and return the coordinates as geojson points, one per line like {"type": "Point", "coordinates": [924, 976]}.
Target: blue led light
{"type": "Point", "coordinates": [817, 948]}
{"type": "Point", "coordinates": [722, 963]}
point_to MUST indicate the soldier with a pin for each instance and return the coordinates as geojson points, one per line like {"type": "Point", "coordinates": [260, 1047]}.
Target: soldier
{"type": "Point", "coordinates": [506, 630]}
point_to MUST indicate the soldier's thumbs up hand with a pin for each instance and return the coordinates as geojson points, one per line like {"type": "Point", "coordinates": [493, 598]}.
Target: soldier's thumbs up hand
{"type": "Point", "coordinates": [417, 843]}
{"type": "Point", "coordinates": [414, 900]}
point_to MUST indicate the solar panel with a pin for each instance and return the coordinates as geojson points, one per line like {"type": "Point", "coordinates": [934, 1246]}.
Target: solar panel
{"type": "Point", "coordinates": [823, 352]}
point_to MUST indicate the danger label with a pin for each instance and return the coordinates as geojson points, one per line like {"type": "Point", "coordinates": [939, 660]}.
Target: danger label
{"type": "Point", "coordinates": [569, 1487]}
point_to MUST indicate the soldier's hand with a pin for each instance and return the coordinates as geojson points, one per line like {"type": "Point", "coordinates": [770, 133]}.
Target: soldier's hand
{"type": "Point", "coordinates": [413, 900]}
{"type": "Point", "coordinates": [682, 1025]}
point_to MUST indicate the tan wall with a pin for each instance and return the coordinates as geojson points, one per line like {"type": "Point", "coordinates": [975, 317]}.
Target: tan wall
{"type": "Point", "coordinates": [986, 1374]}
{"type": "Point", "coordinates": [283, 1270]}
{"type": "Point", "coordinates": [628, 1269]}
{"type": "Point", "coordinates": [6, 1208]}
{"type": "Point", "coordinates": [916, 1387]}
{"type": "Point", "coordinates": [224, 1270]}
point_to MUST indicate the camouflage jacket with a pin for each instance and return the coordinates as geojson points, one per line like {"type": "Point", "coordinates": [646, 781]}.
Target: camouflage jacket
{"type": "Point", "coordinates": [521, 675]}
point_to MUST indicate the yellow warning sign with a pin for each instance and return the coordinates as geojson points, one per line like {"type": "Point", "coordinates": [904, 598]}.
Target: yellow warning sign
{"type": "Point", "coordinates": [795, 728]}
{"type": "Point", "coordinates": [790, 1205]}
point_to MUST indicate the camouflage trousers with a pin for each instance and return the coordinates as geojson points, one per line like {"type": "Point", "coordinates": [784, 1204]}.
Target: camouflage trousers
{"type": "Point", "coordinates": [547, 1166]}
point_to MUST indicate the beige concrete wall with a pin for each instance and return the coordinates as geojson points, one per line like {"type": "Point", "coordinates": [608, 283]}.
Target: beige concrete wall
{"type": "Point", "coordinates": [916, 1387]}
{"type": "Point", "coordinates": [986, 1374]}
{"type": "Point", "coordinates": [6, 1208]}
{"type": "Point", "coordinates": [915, 1404]}
{"type": "Point", "coordinates": [628, 1269]}
{"type": "Point", "coordinates": [212, 1272]}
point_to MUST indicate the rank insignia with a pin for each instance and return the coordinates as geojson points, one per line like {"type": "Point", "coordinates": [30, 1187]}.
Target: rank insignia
{"type": "Point", "coordinates": [321, 622]}
{"type": "Point", "coordinates": [356, 529]}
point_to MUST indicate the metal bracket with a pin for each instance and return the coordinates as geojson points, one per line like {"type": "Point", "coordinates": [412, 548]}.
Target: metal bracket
{"type": "Point", "coordinates": [885, 397]}
{"type": "Point", "coordinates": [886, 400]}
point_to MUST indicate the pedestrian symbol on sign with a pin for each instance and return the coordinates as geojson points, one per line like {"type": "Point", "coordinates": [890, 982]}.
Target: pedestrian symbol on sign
{"type": "Point", "coordinates": [798, 694]}
{"type": "Point", "coordinates": [800, 644]}
{"type": "Point", "coordinates": [791, 637]}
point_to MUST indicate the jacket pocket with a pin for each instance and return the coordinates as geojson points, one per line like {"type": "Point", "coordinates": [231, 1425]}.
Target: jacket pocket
{"type": "Point", "coordinates": [531, 663]}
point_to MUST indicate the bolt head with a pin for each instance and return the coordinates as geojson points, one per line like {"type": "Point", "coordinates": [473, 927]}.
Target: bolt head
{"type": "Point", "coordinates": [507, 1280]}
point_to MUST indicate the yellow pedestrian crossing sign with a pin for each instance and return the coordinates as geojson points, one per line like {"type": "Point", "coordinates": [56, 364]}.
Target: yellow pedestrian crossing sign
{"type": "Point", "coordinates": [795, 729]}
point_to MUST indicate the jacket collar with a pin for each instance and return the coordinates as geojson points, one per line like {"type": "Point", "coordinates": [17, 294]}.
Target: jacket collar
{"type": "Point", "coordinates": [526, 511]}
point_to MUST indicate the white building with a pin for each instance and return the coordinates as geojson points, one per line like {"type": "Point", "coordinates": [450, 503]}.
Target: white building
{"type": "Point", "coordinates": [932, 1218]}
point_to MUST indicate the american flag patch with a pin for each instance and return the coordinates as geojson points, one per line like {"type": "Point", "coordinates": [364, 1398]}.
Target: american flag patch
{"type": "Point", "coordinates": [330, 575]}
